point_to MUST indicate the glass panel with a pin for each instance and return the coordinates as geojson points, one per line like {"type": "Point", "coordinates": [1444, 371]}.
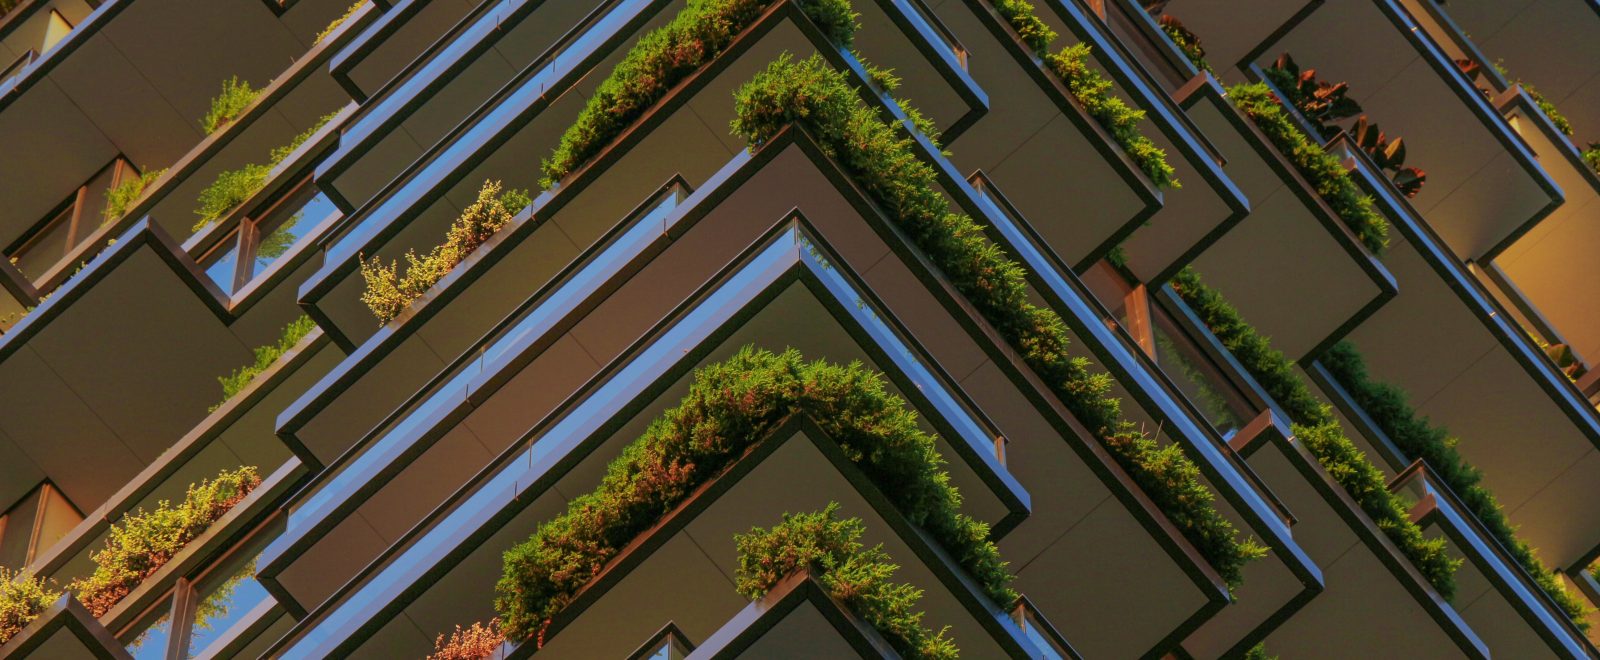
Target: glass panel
{"type": "Point", "coordinates": [1036, 633]}
{"type": "Point", "coordinates": [223, 262]}
{"type": "Point", "coordinates": [147, 640]}
{"type": "Point", "coordinates": [47, 247]}
{"type": "Point", "coordinates": [222, 599]}
{"type": "Point", "coordinates": [1189, 372]}
{"type": "Point", "coordinates": [302, 216]}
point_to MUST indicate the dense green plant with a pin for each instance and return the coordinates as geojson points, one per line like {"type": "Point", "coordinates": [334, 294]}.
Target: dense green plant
{"type": "Point", "coordinates": [122, 196]}
{"type": "Point", "coordinates": [236, 95]}
{"type": "Point", "coordinates": [338, 22]}
{"type": "Point", "coordinates": [731, 405]}
{"type": "Point", "coordinates": [1559, 120]}
{"type": "Point", "coordinates": [881, 159]}
{"type": "Point", "coordinates": [1092, 90]}
{"type": "Point", "coordinates": [666, 56]}
{"type": "Point", "coordinates": [1591, 155]}
{"type": "Point", "coordinates": [1323, 170]}
{"type": "Point", "coordinates": [1188, 43]}
{"type": "Point", "coordinates": [23, 597]}
{"type": "Point", "coordinates": [235, 382]}
{"type": "Point", "coordinates": [233, 187]}
{"type": "Point", "coordinates": [858, 576]}
{"type": "Point", "coordinates": [388, 292]}
{"type": "Point", "coordinates": [1259, 652]}
{"type": "Point", "coordinates": [142, 542]}
{"type": "Point", "coordinates": [1415, 435]}
{"type": "Point", "coordinates": [1318, 430]}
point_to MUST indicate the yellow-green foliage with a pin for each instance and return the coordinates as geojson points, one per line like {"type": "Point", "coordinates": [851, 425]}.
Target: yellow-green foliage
{"type": "Point", "coordinates": [338, 21]}
{"type": "Point", "coordinates": [225, 107]}
{"type": "Point", "coordinates": [389, 292]}
{"type": "Point", "coordinates": [235, 382]}
{"type": "Point", "coordinates": [142, 542]}
{"type": "Point", "coordinates": [121, 197]}
{"type": "Point", "coordinates": [233, 187]}
{"type": "Point", "coordinates": [858, 576]}
{"type": "Point", "coordinates": [1092, 90]}
{"type": "Point", "coordinates": [23, 597]}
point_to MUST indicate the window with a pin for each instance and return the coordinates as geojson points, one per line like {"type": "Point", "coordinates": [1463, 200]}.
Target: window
{"type": "Point", "coordinates": [201, 608]}
{"type": "Point", "coordinates": [35, 523]}
{"type": "Point", "coordinates": [668, 643]}
{"type": "Point", "coordinates": [71, 223]}
{"type": "Point", "coordinates": [257, 243]}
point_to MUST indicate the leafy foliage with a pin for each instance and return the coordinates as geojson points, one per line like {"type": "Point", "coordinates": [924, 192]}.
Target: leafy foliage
{"type": "Point", "coordinates": [121, 197]}
{"type": "Point", "coordinates": [663, 58]}
{"type": "Point", "coordinates": [234, 383]}
{"type": "Point", "coordinates": [882, 161]}
{"type": "Point", "coordinates": [233, 187]}
{"type": "Point", "coordinates": [1415, 435]}
{"type": "Point", "coordinates": [1091, 89]}
{"type": "Point", "coordinates": [479, 641]}
{"type": "Point", "coordinates": [1319, 101]}
{"type": "Point", "coordinates": [1591, 155]}
{"type": "Point", "coordinates": [1559, 120]}
{"type": "Point", "coordinates": [1316, 427]}
{"type": "Point", "coordinates": [142, 542]}
{"type": "Point", "coordinates": [1259, 652]}
{"type": "Point", "coordinates": [23, 597]}
{"type": "Point", "coordinates": [1322, 169]}
{"type": "Point", "coordinates": [1389, 156]}
{"type": "Point", "coordinates": [236, 95]}
{"type": "Point", "coordinates": [1094, 92]}
{"type": "Point", "coordinates": [858, 576]}
{"type": "Point", "coordinates": [731, 405]}
{"type": "Point", "coordinates": [1188, 42]}
{"type": "Point", "coordinates": [388, 292]}
{"type": "Point", "coordinates": [338, 22]}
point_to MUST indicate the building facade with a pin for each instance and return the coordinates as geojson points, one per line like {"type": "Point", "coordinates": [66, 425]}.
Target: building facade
{"type": "Point", "coordinates": [799, 328]}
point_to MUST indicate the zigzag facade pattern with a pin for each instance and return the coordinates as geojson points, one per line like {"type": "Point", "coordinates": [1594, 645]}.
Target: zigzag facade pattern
{"type": "Point", "coordinates": [799, 328]}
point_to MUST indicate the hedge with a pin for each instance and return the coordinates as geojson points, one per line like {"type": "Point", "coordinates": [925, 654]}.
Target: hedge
{"type": "Point", "coordinates": [1092, 90]}
{"type": "Point", "coordinates": [882, 161]}
{"type": "Point", "coordinates": [663, 58]}
{"type": "Point", "coordinates": [389, 293]}
{"type": "Point", "coordinates": [1323, 170]}
{"type": "Point", "coordinates": [23, 597]}
{"type": "Point", "coordinates": [858, 576]}
{"type": "Point", "coordinates": [1317, 428]}
{"type": "Point", "coordinates": [142, 542]}
{"type": "Point", "coordinates": [1415, 435]}
{"type": "Point", "coordinates": [235, 382]}
{"type": "Point", "coordinates": [731, 405]}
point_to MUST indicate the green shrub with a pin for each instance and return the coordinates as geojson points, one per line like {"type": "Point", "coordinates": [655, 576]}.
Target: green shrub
{"type": "Point", "coordinates": [338, 22]}
{"type": "Point", "coordinates": [142, 542]}
{"type": "Point", "coordinates": [1323, 170]}
{"type": "Point", "coordinates": [388, 292]}
{"type": "Point", "coordinates": [225, 107]}
{"type": "Point", "coordinates": [1549, 109]}
{"type": "Point", "coordinates": [731, 405]}
{"type": "Point", "coordinates": [1092, 90]}
{"type": "Point", "coordinates": [858, 576]}
{"type": "Point", "coordinates": [234, 187]}
{"type": "Point", "coordinates": [1317, 429]}
{"type": "Point", "coordinates": [663, 58]}
{"type": "Point", "coordinates": [1188, 43]}
{"type": "Point", "coordinates": [1389, 408]}
{"type": "Point", "coordinates": [235, 382]}
{"type": "Point", "coordinates": [882, 161]}
{"type": "Point", "coordinates": [123, 195]}
{"type": "Point", "coordinates": [1259, 652]}
{"type": "Point", "coordinates": [23, 597]}
{"type": "Point", "coordinates": [1591, 155]}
